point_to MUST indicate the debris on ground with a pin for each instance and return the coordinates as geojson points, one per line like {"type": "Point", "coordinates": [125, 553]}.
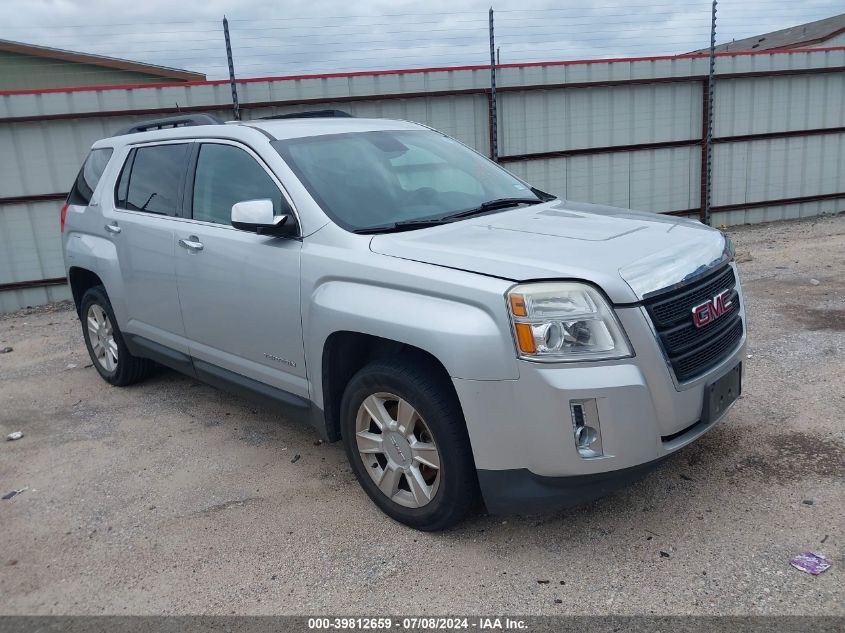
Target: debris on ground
{"type": "Point", "coordinates": [815, 282]}
{"type": "Point", "coordinates": [15, 435]}
{"type": "Point", "coordinates": [558, 601]}
{"type": "Point", "coordinates": [317, 442]}
{"type": "Point", "coordinates": [71, 366]}
{"type": "Point", "coordinates": [12, 495]}
{"type": "Point", "coordinates": [664, 554]}
{"type": "Point", "coordinates": [542, 582]}
{"type": "Point", "coordinates": [811, 563]}
{"type": "Point", "coordinates": [6, 350]}
{"type": "Point", "coordinates": [807, 502]}
{"type": "Point", "coordinates": [295, 458]}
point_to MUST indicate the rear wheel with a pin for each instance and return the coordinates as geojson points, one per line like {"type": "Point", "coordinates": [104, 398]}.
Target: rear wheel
{"type": "Point", "coordinates": [108, 351]}
{"type": "Point", "coordinates": [406, 440]}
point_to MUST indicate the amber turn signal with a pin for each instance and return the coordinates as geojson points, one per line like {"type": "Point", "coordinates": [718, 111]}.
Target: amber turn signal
{"type": "Point", "coordinates": [525, 338]}
{"type": "Point", "coordinates": [518, 305]}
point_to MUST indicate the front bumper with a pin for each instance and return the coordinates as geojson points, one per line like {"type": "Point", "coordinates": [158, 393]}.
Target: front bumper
{"type": "Point", "coordinates": [522, 436]}
{"type": "Point", "coordinates": [522, 492]}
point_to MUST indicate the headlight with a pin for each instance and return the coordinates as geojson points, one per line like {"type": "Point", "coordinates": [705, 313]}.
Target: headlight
{"type": "Point", "coordinates": [564, 321]}
{"type": "Point", "coordinates": [729, 247]}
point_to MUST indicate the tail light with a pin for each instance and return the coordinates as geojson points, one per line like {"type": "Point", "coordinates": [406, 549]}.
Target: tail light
{"type": "Point", "coordinates": [64, 215]}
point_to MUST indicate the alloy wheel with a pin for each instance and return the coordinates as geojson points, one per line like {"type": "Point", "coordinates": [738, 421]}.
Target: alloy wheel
{"type": "Point", "coordinates": [101, 337]}
{"type": "Point", "coordinates": [398, 450]}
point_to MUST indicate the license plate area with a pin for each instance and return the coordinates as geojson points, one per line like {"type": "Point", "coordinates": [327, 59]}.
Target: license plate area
{"type": "Point", "coordinates": [721, 394]}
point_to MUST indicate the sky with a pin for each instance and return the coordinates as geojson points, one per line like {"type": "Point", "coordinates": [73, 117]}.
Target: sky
{"type": "Point", "coordinates": [284, 38]}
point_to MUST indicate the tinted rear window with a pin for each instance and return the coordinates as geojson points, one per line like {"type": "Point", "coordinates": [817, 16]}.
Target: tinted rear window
{"type": "Point", "coordinates": [89, 176]}
{"type": "Point", "coordinates": [152, 178]}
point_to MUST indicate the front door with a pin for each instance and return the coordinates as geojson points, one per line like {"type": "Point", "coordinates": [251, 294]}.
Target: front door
{"type": "Point", "coordinates": [239, 291]}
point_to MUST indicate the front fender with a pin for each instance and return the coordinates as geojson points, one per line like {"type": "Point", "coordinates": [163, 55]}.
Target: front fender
{"type": "Point", "coordinates": [466, 338]}
{"type": "Point", "coordinates": [99, 256]}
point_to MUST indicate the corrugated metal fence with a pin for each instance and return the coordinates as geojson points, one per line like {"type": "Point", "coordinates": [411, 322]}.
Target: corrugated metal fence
{"type": "Point", "coordinates": [625, 132]}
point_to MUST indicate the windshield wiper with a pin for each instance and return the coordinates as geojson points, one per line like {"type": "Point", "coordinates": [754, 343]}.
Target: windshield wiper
{"type": "Point", "coordinates": [490, 205]}
{"type": "Point", "coordinates": [484, 207]}
{"type": "Point", "coordinates": [402, 225]}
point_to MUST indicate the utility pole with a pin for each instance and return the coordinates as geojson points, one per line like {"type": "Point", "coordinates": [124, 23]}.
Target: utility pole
{"type": "Point", "coordinates": [711, 89]}
{"type": "Point", "coordinates": [235, 107]}
{"type": "Point", "coordinates": [494, 128]}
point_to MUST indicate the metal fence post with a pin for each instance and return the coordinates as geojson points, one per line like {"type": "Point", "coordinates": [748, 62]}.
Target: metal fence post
{"type": "Point", "coordinates": [235, 107]}
{"type": "Point", "coordinates": [494, 127]}
{"type": "Point", "coordinates": [711, 85]}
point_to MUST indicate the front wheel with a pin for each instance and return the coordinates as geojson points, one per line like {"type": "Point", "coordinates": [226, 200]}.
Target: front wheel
{"type": "Point", "coordinates": [406, 440]}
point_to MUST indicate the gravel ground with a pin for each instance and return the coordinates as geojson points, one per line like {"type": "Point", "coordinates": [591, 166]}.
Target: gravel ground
{"type": "Point", "coordinates": [171, 497]}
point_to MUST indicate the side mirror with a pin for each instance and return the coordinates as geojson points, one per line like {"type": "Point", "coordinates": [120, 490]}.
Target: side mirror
{"type": "Point", "coordinates": [256, 216]}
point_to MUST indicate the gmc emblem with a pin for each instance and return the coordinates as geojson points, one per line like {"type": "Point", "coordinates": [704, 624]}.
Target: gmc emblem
{"type": "Point", "coordinates": [712, 309]}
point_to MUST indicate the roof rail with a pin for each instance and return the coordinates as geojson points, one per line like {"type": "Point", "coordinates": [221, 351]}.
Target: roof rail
{"type": "Point", "coordinates": [313, 114]}
{"type": "Point", "coordinates": [182, 120]}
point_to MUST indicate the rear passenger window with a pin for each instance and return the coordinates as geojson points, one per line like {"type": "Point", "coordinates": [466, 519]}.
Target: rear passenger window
{"type": "Point", "coordinates": [89, 176]}
{"type": "Point", "coordinates": [226, 175]}
{"type": "Point", "coordinates": [151, 179]}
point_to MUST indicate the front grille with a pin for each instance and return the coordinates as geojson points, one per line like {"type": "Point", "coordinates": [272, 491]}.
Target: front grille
{"type": "Point", "coordinates": [674, 306]}
{"type": "Point", "coordinates": [708, 356]}
{"type": "Point", "coordinates": [692, 351]}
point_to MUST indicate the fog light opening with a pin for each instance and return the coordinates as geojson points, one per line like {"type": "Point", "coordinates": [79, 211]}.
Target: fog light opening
{"type": "Point", "coordinates": [586, 427]}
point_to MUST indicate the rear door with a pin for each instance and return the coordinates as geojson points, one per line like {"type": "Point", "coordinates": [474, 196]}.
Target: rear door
{"type": "Point", "coordinates": [140, 221]}
{"type": "Point", "coordinates": [239, 291]}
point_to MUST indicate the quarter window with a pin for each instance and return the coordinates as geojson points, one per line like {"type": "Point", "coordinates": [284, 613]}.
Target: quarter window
{"type": "Point", "coordinates": [225, 175]}
{"type": "Point", "coordinates": [89, 176]}
{"type": "Point", "coordinates": [151, 179]}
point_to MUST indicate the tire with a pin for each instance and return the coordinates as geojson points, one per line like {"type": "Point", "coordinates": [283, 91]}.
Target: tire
{"type": "Point", "coordinates": [109, 354]}
{"type": "Point", "coordinates": [425, 498]}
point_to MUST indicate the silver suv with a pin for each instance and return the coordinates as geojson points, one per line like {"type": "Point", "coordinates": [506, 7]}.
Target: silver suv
{"type": "Point", "coordinates": [459, 330]}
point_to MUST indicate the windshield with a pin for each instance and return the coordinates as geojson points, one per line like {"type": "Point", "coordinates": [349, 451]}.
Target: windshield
{"type": "Point", "coordinates": [366, 180]}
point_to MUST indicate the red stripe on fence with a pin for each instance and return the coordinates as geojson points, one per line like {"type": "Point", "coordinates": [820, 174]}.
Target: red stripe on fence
{"type": "Point", "coordinates": [405, 71]}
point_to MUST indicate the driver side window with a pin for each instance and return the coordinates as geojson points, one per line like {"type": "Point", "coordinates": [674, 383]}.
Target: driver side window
{"type": "Point", "coordinates": [226, 174]}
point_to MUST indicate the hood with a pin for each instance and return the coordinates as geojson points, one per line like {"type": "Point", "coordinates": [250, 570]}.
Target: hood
{"type": "Point", "coordinates": [628, 254]}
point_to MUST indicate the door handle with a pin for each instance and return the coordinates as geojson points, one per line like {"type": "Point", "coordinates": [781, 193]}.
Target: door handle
{"type": "Point", "coordinates": [192, 243]}
{"type": "Point", "coordinates": [112, 228]}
